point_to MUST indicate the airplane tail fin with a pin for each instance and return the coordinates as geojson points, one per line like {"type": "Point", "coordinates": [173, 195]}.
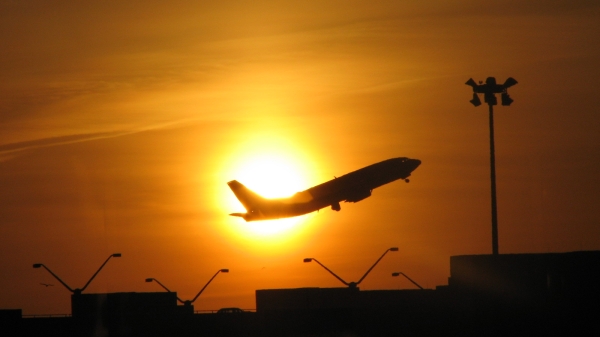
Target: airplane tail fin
{"type": "Point", "coordinates": [247, 197]}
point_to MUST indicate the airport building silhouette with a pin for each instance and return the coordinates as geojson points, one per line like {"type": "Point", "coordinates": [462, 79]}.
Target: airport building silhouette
{"type": "Point", "coordinates": [504, 294]}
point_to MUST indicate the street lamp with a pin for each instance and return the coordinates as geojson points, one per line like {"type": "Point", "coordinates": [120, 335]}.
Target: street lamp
{"type": "Point", "coordinates": [352, 285]}
{"type": "Point", "coordinates": [189, 302]}
{"type": "Point", "coordinates": [76, 291]}
{"type": "Point", "coordinates": [162, 285]}
{"type": "Point", "coordinates": [408, 278]}
{"type": "Point", "coordinates": [489, 91]}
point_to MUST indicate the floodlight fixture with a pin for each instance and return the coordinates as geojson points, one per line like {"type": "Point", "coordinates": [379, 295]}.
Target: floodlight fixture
{"type": "Point", "coordinates": [471, 82]}
{"type": "Point", "coordinates": [505, 99]}
{"type": "Point", "coordinates": [475, 101]}
{"type": "Point", "coordinates": [509, 82]}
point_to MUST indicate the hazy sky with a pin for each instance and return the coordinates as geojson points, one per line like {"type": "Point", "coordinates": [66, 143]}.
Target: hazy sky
{"type": "Point", "coordinates": [122, 121]}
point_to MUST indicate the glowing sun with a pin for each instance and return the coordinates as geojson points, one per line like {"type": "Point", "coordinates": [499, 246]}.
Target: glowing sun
{"type": "Point", "coordinates": [273, 169]}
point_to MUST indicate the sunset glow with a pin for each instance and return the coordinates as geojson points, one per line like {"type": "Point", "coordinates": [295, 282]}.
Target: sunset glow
{"type": "Point", "coordinates": [121, 123]}
{"type": "Point", "coordinates": [273, 167]}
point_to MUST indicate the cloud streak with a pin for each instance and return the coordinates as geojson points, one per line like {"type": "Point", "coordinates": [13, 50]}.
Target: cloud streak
{"type": "Point", "coordinates": [11, 150]}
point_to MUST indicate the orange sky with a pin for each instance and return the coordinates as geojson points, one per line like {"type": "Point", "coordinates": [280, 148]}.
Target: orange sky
{"type": "Point", "coordinates": [121, 122]}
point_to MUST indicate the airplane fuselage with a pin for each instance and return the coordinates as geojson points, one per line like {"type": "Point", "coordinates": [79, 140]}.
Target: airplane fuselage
{"type": "Point", "coordinates": [351, 187]}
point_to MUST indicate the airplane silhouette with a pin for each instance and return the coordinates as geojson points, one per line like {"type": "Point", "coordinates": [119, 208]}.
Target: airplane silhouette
{"type": "Point", "coordinates": [352, 187]}
{"type": "Point", "coordinates": [47, 285]}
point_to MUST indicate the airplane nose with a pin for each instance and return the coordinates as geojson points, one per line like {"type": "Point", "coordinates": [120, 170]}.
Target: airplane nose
{"type": "Point", "coordinates": [414, 163]}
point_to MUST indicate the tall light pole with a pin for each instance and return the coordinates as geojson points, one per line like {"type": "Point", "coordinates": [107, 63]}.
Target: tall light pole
{"type": "Point", "coordinates": [189, 302]}
{"type": "Point", "coordinates": [352, 285]}
{"type": "Point", "coordinates": [489, 91]}
{"type": "Point", "coordinates": [76, 291]}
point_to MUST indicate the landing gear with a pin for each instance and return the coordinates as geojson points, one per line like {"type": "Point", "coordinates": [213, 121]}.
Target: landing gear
{"type": "Point", "coordinates": [336, 207]}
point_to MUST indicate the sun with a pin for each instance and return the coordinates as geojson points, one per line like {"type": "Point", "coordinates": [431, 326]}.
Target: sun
{"type": "Point", "coordinates": [272, 175]}
{"type": "Point", "coordinates": [273, 167]}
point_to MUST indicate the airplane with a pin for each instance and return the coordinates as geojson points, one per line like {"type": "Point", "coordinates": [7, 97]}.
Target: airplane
{"type": "Point", "coordinates": [352, 187]}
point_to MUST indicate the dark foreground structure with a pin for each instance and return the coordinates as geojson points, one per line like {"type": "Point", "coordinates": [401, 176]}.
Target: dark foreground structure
{"type": "Point", "coordinates": [553, 294]}
{"type": "Point", "coordinates": [487, 295]}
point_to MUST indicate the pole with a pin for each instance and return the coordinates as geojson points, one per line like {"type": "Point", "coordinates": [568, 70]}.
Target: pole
{"type": "Point", "coordinates": [376, 262]}
{"type": "Point", "coordinates": [207, 283]}
{"type": "Point", "coordinates": [489, 90]}
{"type": "Point", "coordinates": [332, 273]}
{"type": "Point", "coordinates": [493, 181]}
{"type": "Point", "coordinates": [97, 271]}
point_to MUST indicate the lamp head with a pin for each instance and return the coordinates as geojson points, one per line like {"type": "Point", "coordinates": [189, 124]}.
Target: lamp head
{"type": "Point", "coordinates": [505, 98]}
{"type": "Point", "coordinates": [224, 270]}
{"type": "Point", "coordinates": [471, 83]}
{"type": "Point", "coordinates": [116, 255]}
{"type": "Point", "coordinates": [394, 249]}
{"type": "Point", "coordinates": [395, 274]}
{"type": "Point", "coordinates": [475, 101]}
{"type": "Point", "coordinates": [37, 265]}
{"type": "Point", "coordinates": [308, 259]}
{"type": "Point", "coordinates": [149, 279]}
{"type": "Point", "coordinates": [509, 82]}
{"type": "Point", "coordinates": [490, 81]}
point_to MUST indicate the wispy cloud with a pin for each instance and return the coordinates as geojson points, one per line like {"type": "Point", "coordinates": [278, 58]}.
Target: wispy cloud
{"type": "Point", "coordinates": [11, 150]}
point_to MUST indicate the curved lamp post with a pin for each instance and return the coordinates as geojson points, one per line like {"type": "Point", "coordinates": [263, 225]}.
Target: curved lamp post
{"type": "Point", "coordinates": [76, 291]}
{"type": "Point", "coordinates": [162, 285]}
{"type": "Point", "coordinates": [189, 302]}
{"type": "Point", "coordinates": [352, 285]}
{"type": "Point", "coordinates": [408, 278]}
